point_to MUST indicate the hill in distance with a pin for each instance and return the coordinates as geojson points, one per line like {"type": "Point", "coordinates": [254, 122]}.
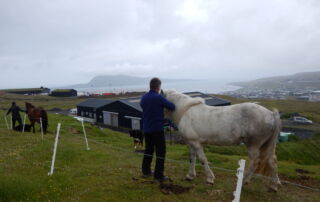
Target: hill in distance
{"type": "Point", "coordinates": [305, 80]}
{"type": "Point", "coordinates": [120, 80]}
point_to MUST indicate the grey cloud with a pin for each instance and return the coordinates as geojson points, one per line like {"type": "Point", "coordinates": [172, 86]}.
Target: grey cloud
{"type": "Point", "coordinates": [228, 40]}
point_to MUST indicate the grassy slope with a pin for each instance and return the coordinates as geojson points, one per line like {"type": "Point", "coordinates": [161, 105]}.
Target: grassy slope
{"type": "Point", "coordinates": [282, 81]}
{"type": "Point", "coordinates": [47, 102]}
{"type": "Point", "coordinates": [311, 110]}
{"type": "Point", "coordinates": [105, 172]}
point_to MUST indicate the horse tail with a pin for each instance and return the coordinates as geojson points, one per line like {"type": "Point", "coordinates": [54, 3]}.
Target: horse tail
{"type": "Point", "coordinates": [45, 121]}
{"type": "Point", "coordinates": [268, 158]}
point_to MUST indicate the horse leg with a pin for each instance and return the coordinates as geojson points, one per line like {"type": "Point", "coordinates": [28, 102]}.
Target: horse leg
{"type": "Point", "coordinates": [203, 159]}
{"type": "Point", "coordinates": [268, 163]}
{"type": "Point", "coordinates": [254, 154]}
{"type": "Point", "coordinates": [192, 168]}
{"type": "Point", "coordinates": [272, 171]}
{"type": "Point", "coordinates": [44, 128]}
{"type": "Point", "coordinates": [32, 125]}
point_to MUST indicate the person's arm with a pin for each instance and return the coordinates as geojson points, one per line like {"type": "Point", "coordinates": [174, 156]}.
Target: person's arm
{"type": "Point", "coordinates": [9, 111]}
{"type": "Point", "coordinates": [21, 110]}
{"type": "Point", "coordinates": [167, 104]}
{"type": "Point", "coordinates": [141, 103]}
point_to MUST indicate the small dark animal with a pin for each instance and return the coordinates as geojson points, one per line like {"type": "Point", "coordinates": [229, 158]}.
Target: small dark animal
{"type": "Point", "coordinates": [34, 115]}
{"type": "Point", "coordinates": [27, 128]}
{"type": "Point", "coordinates": [137, 136]}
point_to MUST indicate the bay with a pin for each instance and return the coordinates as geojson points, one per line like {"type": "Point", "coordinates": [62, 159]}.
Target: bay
{"type": "Point", "coordinates": [205, 86]}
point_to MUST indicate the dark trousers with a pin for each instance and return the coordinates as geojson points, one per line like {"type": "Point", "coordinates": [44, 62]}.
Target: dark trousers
{"type": "Point", "coordinates": [154, 141]}
{"type": "Point", "coordinates": [14, 122]}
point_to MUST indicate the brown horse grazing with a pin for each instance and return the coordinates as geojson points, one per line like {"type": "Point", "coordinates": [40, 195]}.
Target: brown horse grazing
{"type": "Point", "coordinates": [34, 115]}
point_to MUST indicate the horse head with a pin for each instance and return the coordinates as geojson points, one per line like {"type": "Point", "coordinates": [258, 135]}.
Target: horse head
{"type": "Point", "coordinates": [28, 107]}
{"type": "Point", "coordinates": [182, 102]}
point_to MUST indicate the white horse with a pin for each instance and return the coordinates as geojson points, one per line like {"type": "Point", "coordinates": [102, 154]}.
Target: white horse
{"type": "Point", "coordinates": [248, 123]}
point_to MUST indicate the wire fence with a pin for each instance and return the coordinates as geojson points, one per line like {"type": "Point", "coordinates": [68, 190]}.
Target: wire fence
{"type": "Point", "coordinates": [199, 164]}
{"type": "Point", "coordinates": [181, 162]}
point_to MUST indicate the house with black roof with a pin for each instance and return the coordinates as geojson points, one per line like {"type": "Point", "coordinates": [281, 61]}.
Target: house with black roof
{"type": "Point", "coordinates": [127, 112]}
{"type": "Point", "coordinates": [209, 100]}
{"type": "Point", "coordinates": [64, 93]}
{"type": "Point", "coordinates": [89, 108]}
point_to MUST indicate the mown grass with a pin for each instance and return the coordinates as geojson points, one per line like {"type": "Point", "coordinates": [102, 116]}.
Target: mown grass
{"type": "Point", "coordinates": [110, 171]}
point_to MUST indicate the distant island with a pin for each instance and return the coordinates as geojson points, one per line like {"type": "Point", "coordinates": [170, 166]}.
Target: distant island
{"type": "Point", "coordinates": [120, 80]}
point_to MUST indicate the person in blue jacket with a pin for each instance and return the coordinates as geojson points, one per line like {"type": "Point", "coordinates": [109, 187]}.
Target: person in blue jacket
{"type": "Point", "coordinates": [153, 104]}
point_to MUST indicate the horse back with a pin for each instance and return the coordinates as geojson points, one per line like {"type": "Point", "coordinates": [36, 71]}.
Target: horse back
{"type": "Point", "coordinates": [228, 125]}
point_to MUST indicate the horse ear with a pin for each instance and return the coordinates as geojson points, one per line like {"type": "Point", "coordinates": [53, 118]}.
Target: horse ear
{"type": "Point", "coordinates": [162, 93]}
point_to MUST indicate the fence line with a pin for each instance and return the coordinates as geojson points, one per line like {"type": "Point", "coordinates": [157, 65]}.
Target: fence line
{"type": "Point", "coordinates": [288, 182]}
{"type": "Point", "coordinates": [199, 164]}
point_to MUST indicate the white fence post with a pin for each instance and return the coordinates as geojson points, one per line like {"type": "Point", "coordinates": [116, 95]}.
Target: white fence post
{"type": "Point", "coordinates": [240, 172]}
{"type": "Point", "coordinates": [55, 149]}
{"type": "Point", "coordinates": [5, 118]}
{"type": "Point", "coordinates": [41, 127]}
{"type": "Point", "coordinates": [85, 135]}
{"type": "Point", "coordinates": [24, 122]}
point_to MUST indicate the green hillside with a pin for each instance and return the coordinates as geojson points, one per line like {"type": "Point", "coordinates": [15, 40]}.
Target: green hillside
{"type": "Point", "coordinates": [110, 171]}
{"type": "Point", "coordinates": [311, 110]}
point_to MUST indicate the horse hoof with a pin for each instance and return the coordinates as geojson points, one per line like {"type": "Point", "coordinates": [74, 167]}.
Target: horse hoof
{"type": "Point", "coordinates": [189, 178]}
{"type": "Point", "coordinates": [246, 182]}
{"type": "Point", "coordinates": [272, 189]}
{"type": "Point", "coordinates": [210, 182]}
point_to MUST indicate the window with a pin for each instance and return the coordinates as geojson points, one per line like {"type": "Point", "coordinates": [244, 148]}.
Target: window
{"type": "Point", "coordinates": [110, 118]}
{"type": "Point", "coordinates": [135, 122]}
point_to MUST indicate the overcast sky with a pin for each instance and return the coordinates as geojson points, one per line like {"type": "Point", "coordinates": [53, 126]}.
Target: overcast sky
{"type": "Point", "coordinates": [60, 42]}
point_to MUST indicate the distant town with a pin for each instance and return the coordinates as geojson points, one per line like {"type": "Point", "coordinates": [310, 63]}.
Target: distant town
{"type": "Point", "coordinates": [300, 86]}
{"type": "Point", "coordinates": [276, 94]}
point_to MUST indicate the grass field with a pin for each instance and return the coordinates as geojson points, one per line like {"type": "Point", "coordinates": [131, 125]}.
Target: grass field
{"type": "Point", "coordinates": [110, 171]}
{"type": "Point", "coordinates": [311, 110]}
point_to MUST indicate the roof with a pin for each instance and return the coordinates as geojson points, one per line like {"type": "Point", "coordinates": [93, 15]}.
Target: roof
{"type": "Point", "coordinates": [209, 100]}
{"type": "Point", "coordinates": [95, 103]}
{"type": "Point", "coordinates": [133, 102]}
{"type": "Point", "coordinates": [62, 90]}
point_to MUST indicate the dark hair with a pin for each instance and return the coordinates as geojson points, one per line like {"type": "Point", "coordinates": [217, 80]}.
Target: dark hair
{"type": "Point", "coordinates": [13, 103]}
{"type": "Point", "coordinates": [155, 83]}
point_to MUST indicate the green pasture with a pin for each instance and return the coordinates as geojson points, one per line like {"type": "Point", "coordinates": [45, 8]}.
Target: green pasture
{"type": "Point", "coordinates": [110, 171]}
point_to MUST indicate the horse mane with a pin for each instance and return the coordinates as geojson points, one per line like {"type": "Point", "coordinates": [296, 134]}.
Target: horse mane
{"type": "Point", "coordinates": [183, 104]}
{"type": "Point", "coordinates": [29, 105]}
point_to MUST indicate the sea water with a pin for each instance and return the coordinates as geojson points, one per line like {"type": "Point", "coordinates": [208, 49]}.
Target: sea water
{"type": "Point", "coordinates": [205, 86]}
